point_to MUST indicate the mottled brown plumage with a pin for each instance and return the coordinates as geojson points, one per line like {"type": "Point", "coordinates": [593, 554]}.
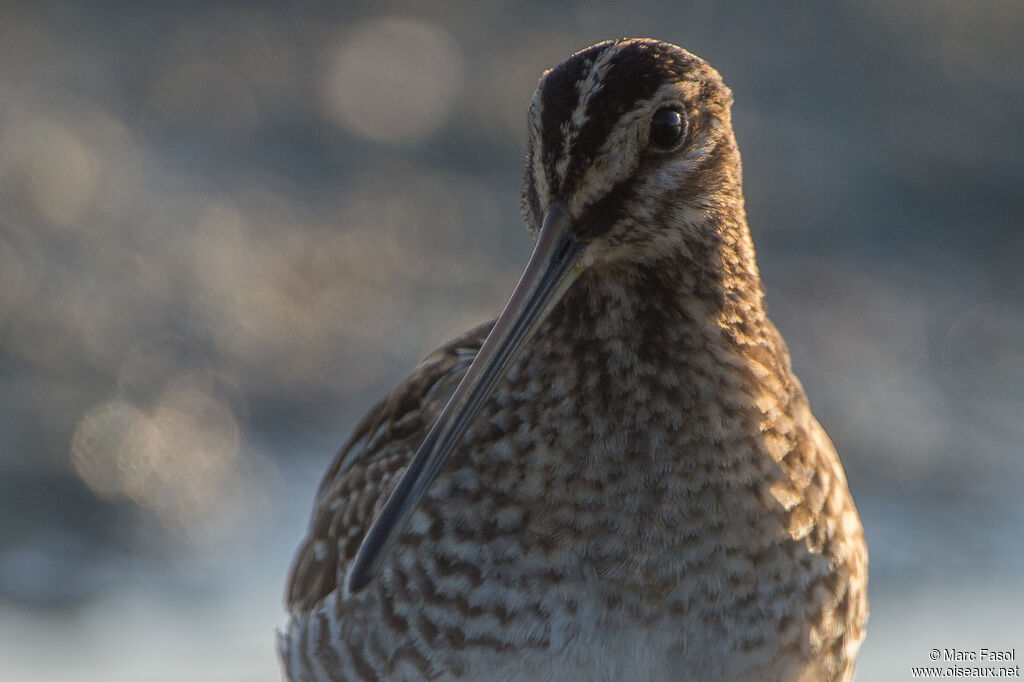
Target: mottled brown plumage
{"type": "Point", "coordinates": [644, 493]}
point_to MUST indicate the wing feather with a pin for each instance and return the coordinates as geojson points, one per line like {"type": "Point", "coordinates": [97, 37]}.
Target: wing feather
{"type": "Point", "coordinates": [368, 465]}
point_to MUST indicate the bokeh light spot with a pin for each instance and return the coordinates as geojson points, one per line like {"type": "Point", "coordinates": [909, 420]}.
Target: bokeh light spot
{"type": "Point", "coordinates": [179, 460]}
{"type": "Point", "coordinates": [59, 170]}
{"type": "Point", "coordinates": [393, 79]}
{"type": "Point", "coordinates": [99, 442]}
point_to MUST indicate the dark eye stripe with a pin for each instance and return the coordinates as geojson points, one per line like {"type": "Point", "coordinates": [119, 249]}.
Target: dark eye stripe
{"type": "Point", "coordinates": [608, 210]}
{"type": "Point", "coordinates": [632, 76]}
{"type": "Point", "coordinates": [600, 216]}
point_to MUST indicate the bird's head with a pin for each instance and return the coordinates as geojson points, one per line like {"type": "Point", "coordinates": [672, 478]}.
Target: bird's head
{"type": "Point", "coordinates": [631, 143]}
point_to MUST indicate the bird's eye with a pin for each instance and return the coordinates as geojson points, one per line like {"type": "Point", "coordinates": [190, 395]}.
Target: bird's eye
{"type": "Point", "coordinates": [667, 126]}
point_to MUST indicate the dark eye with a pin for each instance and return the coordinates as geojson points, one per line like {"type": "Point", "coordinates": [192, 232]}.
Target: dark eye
{"type": "Point", "coordinates": [667, 126]}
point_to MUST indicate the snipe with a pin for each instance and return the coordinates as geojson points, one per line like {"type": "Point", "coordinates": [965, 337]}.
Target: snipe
{"type": "Point", "coordinates": [628, 483]}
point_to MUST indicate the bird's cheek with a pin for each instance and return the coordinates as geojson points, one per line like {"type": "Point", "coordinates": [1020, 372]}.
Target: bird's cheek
{"type": "Point", "coordinates": [608, 250]}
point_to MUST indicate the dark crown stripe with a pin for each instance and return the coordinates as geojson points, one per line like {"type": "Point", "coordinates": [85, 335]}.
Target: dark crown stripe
{"type": "Point", "coordinates": [635, 75]}
{"type": "Point", "coordinates": [560, 98]}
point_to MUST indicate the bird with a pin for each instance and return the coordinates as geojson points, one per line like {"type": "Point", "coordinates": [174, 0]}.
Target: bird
{"type": "Point", "coordinates": [620, 478]}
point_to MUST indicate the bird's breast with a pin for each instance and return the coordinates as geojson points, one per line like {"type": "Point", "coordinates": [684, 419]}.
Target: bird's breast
{"type": "Point", "coordinates": [587, 466]}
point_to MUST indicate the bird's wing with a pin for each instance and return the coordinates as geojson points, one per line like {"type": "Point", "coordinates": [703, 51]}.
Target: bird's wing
{"type": "Point", "coordinates": [368, 466]}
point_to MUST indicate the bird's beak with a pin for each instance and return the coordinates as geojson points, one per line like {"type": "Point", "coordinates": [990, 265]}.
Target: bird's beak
{"type": "Point", "coordinates": [555, 264]}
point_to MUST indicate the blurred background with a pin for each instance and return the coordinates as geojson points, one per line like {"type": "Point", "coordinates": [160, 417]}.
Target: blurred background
{"type": "Point", "coordinates": [226, 229]}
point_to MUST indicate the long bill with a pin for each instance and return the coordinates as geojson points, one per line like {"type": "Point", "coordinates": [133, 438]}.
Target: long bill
{"type": "Point", "coordinates": [553, 267]}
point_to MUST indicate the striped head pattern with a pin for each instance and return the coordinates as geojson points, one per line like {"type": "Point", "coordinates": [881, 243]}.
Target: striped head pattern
{"type": "Point", "coordinates": [634, 137]}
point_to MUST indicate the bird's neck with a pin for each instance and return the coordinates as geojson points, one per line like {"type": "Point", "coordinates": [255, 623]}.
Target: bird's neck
{"type": "Point", "coordinates": [701, 289]}
{"type": "Point", "coordinates": [673, 337]}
